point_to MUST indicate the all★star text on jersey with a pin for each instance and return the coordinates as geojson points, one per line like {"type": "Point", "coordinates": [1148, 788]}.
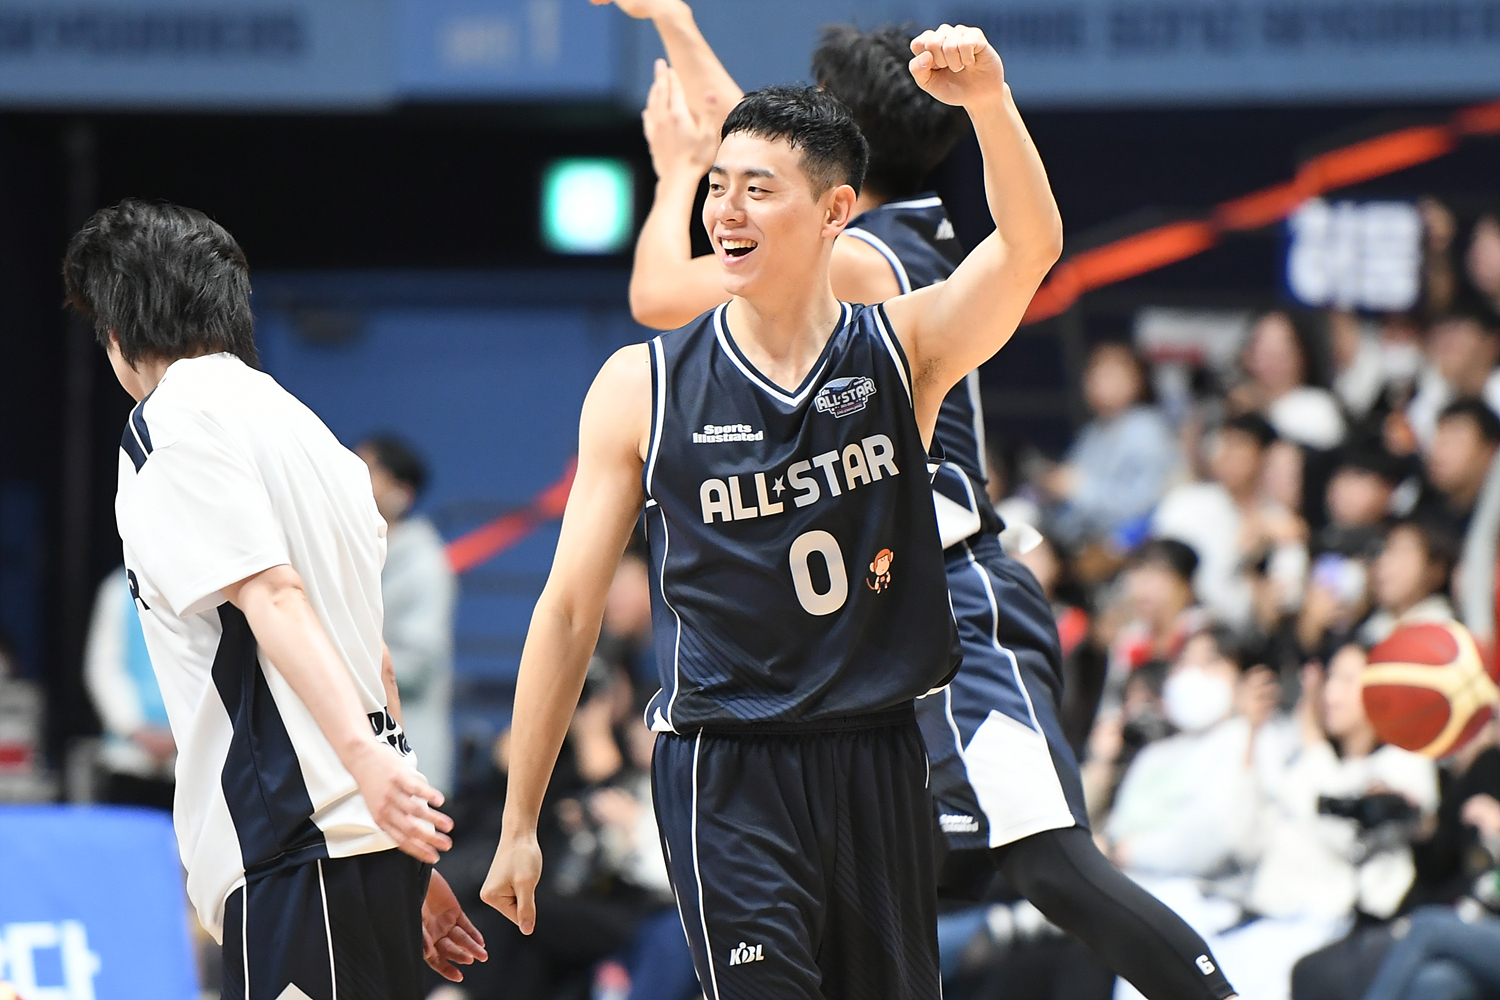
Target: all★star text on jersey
{"type": "Point", "coordinates": [861, 463]}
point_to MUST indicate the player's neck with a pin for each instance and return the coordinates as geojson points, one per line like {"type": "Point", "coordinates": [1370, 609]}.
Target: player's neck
{"type": "Point", "coordinates": [147, 375]}
{"type": "Point", "coordinates": [783, 337]}
{"type": "Point", "coordinates": [867, 201]}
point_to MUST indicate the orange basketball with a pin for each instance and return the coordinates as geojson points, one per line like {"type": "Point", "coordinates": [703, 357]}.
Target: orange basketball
{"type": "Point", "coordinates": [1426, 689]}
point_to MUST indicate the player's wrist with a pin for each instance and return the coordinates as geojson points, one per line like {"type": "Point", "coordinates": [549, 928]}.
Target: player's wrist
{"type": "Point", "coordinates": [673, 14]}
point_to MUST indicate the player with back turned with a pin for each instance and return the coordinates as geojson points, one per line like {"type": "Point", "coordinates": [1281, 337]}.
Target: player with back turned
{"type": "Point", "coordinates": [778, 445]}
{"type": "Point", "coordinates": [253, 550]}
{"type": "Point", "coordinates": [1004, 781]}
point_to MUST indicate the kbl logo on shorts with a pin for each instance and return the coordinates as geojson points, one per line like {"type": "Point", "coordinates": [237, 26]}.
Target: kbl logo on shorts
{"type": "Point", "coordinates": [746, 953]}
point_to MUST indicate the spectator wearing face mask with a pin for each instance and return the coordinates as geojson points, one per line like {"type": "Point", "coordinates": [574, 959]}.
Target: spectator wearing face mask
{"type": "Point", "coordinates": [1189, 803]}
{"type": "Point", "coordinates": [1122, 460]}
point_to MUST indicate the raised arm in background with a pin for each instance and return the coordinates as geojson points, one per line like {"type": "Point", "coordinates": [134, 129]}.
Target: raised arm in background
{"type": "Point", "coordinates": [602, 509]}
{"type": "Point", "coordinates": [950, 328]}
{"type": "Point", "coordinates": [711, 91]}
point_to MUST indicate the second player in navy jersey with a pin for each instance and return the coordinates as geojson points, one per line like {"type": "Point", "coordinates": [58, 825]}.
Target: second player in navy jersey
{"type": "Point", "coordinates": [791, 791]}
{"type": "Point", "coordinates": [1004, 781]}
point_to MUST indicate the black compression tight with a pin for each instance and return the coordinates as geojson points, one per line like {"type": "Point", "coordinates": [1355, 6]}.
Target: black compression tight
{"type": "Point", "coordinates": [1132, 932]}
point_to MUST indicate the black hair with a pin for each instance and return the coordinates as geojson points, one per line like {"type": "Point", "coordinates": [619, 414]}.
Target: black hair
{"type": "Point", "coordinates": [1227, 643]}
{"type": "Point", "coordinates": [1484, 418]}
{"type": "Point", "coordinates": [399, 458]}
{"type": "Point", "coordinates": [167, 281]}
{"type": "Point", "coordinates": [1179, 557]}
{"type": "Point", "coordinates": [909, 130]}
{"type": "Point", "coordinates": [1254, 425]}
{"type": "Point", "coordinates": [812, 121]}
{"type": "Point", "coordinates": [1369, 454]}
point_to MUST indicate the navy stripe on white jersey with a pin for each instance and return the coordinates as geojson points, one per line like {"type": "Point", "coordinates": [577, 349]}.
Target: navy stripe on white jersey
{"type": "Point", "coordinates": [798, 576]}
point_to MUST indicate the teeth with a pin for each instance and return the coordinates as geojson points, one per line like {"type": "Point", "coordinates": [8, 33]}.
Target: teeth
{"type": "Point", "coordinates": [738, 244]}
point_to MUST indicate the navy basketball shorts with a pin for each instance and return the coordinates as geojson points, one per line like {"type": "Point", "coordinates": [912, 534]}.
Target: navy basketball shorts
{"type": "Point", "coordinates": [1001, 768]}
{"type": "Point", "coordinates": [333, 928]}
{"type": "Point", "coordinates": [803, 863]}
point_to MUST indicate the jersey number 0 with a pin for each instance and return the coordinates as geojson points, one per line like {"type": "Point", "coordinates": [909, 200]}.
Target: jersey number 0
{"type": "Point", "coordinates": [837, 593]}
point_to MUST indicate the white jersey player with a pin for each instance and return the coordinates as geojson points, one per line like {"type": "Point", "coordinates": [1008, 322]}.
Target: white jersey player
{"type": "Point", "coordinates": [253, 549]}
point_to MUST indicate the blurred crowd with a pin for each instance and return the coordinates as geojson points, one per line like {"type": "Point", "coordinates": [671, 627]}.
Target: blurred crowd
{"type": "Point", "coordinates": [1224, 541]}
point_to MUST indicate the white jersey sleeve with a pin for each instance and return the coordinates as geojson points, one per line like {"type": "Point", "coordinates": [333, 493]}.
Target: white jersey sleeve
{"type": "Point", "coordinates": [198, 519]}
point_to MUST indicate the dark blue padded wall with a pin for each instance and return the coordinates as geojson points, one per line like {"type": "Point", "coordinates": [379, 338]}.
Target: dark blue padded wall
{"type": "Point", "coordinates": [485, 374]}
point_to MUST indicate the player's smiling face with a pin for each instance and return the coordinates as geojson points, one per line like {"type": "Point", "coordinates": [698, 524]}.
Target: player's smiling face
{"type": "Point", "coordinates": [767, 224]}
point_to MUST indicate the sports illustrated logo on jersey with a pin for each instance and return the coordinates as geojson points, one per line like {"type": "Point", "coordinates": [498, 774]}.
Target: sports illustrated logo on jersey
{"type": "Point", "coordinates": [1205, 965]}
{"type": "Point", "coordinates": [944, 231]}
{"type": "Point", "coordinates": [719, 433]}
{"type": "Point", "coordinates": [385, 728]}
{"type": "Point", "coordinates": [860, 463]}
{"type": "Point", "coordinates": [957, 823]}
{"type": "Point", "coordinates": [880, 570]}
{"type": "Point", "coordinates": [844, 396]}
{"type": "Point", "coordinates": [746, 953]}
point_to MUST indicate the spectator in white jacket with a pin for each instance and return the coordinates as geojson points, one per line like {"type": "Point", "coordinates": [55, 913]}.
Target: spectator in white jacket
{"type": "Point", "coordinates": [420, 591]}
{"type": "Point", "coordinates": [1337, 829]}
{"type": "Point", "coordinates": [1188, 805]}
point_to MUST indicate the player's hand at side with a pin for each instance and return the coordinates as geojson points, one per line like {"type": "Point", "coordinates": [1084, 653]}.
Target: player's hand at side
{"type": "Point", "coordinates": [449, 938]}
{"type": "Point", "coordinates": [957, 65]}
{"type": "Point", "coordinates": [402, 803]}
{"type": "Point", "coordinates": [510, 886]}
{"type": "Point", "coordinates": [642, 9]}
{"type": "Point", "coordinates": [678, 142]}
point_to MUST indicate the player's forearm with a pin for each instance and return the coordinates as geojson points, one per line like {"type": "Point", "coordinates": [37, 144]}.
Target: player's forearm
{"type": "Point", "coordinates": [663, 253]}
{"type": "Point", "coordinates": [695, 62]}
{"type": "Point", "coordinates": [1020, 197]}
{"type": "Point", "coordinates": [553, 666]}
{"type": "Point", "coordinates": [288, 631]}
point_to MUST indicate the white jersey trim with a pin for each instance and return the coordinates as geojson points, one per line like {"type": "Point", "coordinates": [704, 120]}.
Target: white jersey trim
{"type": "Point", "coordinates": [708, 945]}
{"type": "Point", "coordinates": [666, 549]}
{"type": "Point", "coordinates": [933, 202]}
{"type": "Point", "coordinates": [771, 390]}
{"type": "Point", "coordinates": [890, 346]}
{"type": "Point", "coordinates": [976, 400]}
{"type": "Point", "coordinates": [885, 251]}
{"type": "Point", "coordinates": [659, 361]}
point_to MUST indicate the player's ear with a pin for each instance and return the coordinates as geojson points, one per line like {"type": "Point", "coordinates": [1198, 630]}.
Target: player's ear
{"type": "Point", "coordinates": [838, 209]}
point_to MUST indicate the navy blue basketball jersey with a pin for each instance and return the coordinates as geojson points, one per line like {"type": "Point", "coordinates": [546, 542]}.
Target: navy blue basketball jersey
{"type": "Point", "coordinates": [916, 237]}
{"type": "Point", "coordinates": [797, 576]}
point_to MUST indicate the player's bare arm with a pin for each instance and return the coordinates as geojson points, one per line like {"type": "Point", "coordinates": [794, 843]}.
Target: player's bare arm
{"type": "Point", "coordinates": [950, 328]}
{"type": "Point", "coordinates": [602, 509]}
{"type": "Point", "coordinates": [711, 91]}
{"type": "Point", "coordinates": [287, 629]}
{"type": "Point", "coordinates": [669, 287]}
